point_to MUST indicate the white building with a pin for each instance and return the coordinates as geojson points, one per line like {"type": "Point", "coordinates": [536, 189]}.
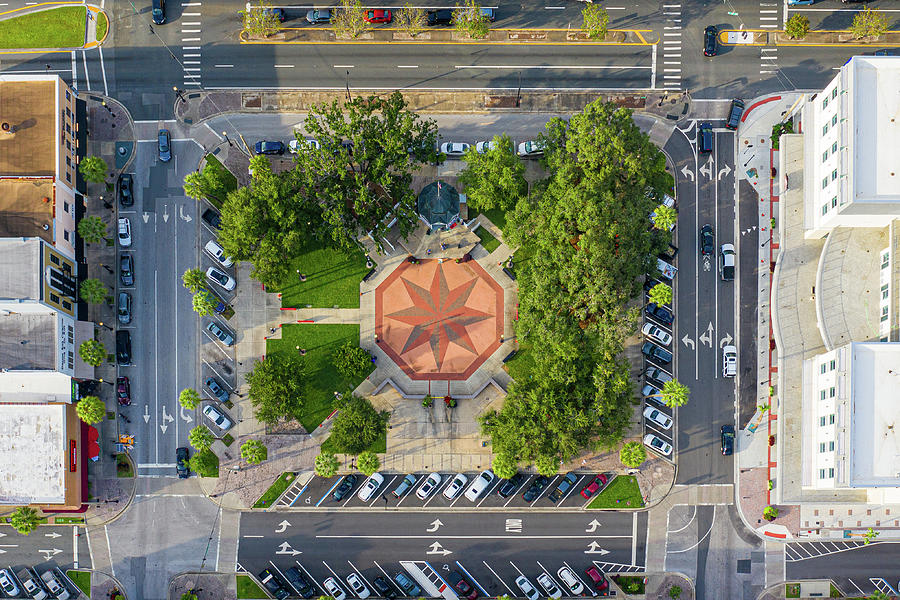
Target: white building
{"type": "Point", "coordinates": [852, 131]}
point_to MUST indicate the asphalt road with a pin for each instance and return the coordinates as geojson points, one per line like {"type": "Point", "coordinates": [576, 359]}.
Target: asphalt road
{"type": "Point", "coordinates": [857, 569]}
{"type": "Point", "coordinates": [65, 546]}
{"type": "Point", "coordinates": [492, 548]}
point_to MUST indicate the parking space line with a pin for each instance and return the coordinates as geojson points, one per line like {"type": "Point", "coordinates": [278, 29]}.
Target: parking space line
{"type": "Point", "coordinates": [574, 487]}
{"type": "Point", "coordinates": [358, 572]}
{"type": "Point", "coordinates": [500, 579]}
{"type": "Point", "coordinates": [546, 489]}
{"type": "Point", "coordinates": [516, 493]}
{"type": "Point", "coordinates": [390, 580]}
{"type": "Point", "coordinates": [578, 577]}
{"type": "Point", "coordinates": [311, 578]}
{"type": "Point", "coordinates": [351, 496]}
{"type": "Point", "coordinates": [475, 581]}
{"type": "Point", "coordinates": [517, 569]}
{"type": "Point", "coordinates": [487, 493]}
{"type": "Point", "coordinates": [384, 493]}
{"type": "Point", "coordinates": [445, 481]}
{"type": "Point", "coordinates": [337, 578]}
{"type": "Point", "coordinates": [409, 492]}
{"type": "Point", "coordinates": [322, 499]}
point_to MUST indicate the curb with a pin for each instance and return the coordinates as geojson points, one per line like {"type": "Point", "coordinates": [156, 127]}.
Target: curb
{"type": "Point", "coordinates": [127, 505]}
{"type": "Point", "coordinates": [86, 96]}
{"type": "Point", "coordinates": [772, 35]}
{"type": "Point", "coordinates": [45, 6]}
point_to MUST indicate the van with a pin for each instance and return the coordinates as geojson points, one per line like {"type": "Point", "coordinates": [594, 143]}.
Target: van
{"type": "Point", "coordinates": [729, 361]}
{"type": "Point", "coordinates": [218, 253]}
{"type": "Point", "coordinates": [484, 479]}
{"type": "Point", "coordinates": [735, 113]}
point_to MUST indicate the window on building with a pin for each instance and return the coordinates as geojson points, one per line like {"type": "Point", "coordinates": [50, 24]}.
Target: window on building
{"type": "Point", "coordinates": [68, 161]}
{"type": "Point", "coordinates": [68, 97]}
{"type": "Point", "coordinates": [821, 473]}
{"type": "Point", "coordinates": [67, 305]}
{"type": "Point", "coordinates": [68, 129]}
{"type": "Point", "coordinates": [831, 446]}
{"type": "Point", "coordinates": [66, 234]}
{"type": "Point", "coordinates": [834, 202]}
{"type": "Point", "coordinates": [834, 93]}
{"type": "Point", "coordinates": [54, 298]}
{"type": "Point", "coordinates": [831, 365]}
{"type": "Point", "coordinates": [831, 392]}
{"type": "Point", "coordinates": [822, 368]}
{"type": "Point", "coordinates": [65, 207]}
{"type": "Point", "coordinates": [54, 259]}
{"type": "Point", "coordinates": [68, 112]}
{"type": "Point", "coordinates": [834, 148]}
{"type": "Point", "coordinates": [68, 145]}
{"type": "Point", "coordinates": [825, 129]}
{"type": "Point", "coordinates": [825, 103]}
{"type": "Point", "coordinates": [822, 395]}
{"type": "Point", "coordinates": [834, 120]}
{"type": "Point", "coordinates": [885, 260]}
{"type": "Point", "coordinates": [822, 447]}
{"type": "Point", "coordinates": [831, 473]}
{"type": "Point", "coordinates": [884, 314]}
{"type": "Point", "coordinates": [68, 177]}
{"type": "Point", "coordinates": [824, 183]}
{"type": "Point", "coordinates": [824, 209]}
{"type": "Point", "coordinates": [884, 292]}
{"type": "Point", "coordinates": [825, 156]}
{"type": "Point", "coordinates": [834, 175]}
{"type": "Point", "coordinates": [831, 419]}
{"type": "Point", "coordinates": [821, 421]}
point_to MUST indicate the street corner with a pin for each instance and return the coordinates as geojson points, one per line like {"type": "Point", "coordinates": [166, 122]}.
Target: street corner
{"type": "Point", "coordinates": [664, 586]}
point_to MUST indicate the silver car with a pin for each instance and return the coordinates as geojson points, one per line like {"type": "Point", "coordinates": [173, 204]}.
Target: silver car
{"type": "Point", "coordinates": [456, 486]}
{"type": "Point", "coordinates": [124, 308]}
{"type": "Point", "coordinates": [219, 418]}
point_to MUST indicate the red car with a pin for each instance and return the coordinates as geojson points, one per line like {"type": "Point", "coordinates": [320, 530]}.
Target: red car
{"type": "Point", "coordinates": [123, 391]}
{"type": "Point", "coordinates": [379, 16]}
{"type": "Point", "coordinates": [596, 484]}
{"type": "Point", "coordinates": [599, 581]}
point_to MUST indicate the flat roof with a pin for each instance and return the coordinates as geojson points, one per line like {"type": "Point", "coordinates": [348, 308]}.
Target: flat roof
{"type": "Point", "coordinates": [876, 130]}
{"type": "Point", "coordinates": [875, 414]}
{"type": "Point", "coordinates": [33, 453]}
{"type": "Point", "coordinates": [28, 340]}
{"type": "Point", "coordinates": [26, 207]}
{"type": "Point", "coordinates": [29, 107]}
{"type": "Point", "coordinates": [20, 266]}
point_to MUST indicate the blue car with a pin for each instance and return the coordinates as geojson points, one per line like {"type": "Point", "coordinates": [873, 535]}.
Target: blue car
{"type": "Point", "coordinates": [165, 151]}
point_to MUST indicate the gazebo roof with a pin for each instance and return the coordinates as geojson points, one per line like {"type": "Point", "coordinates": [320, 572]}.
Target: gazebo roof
{"type": "Point", "coordinates": [438, 203]}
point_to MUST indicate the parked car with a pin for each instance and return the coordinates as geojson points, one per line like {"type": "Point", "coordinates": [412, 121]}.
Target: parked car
{"type": "Point", "coordinates": [182, 467]}
{"type": "Point", "coordinates": [342, 490]}
{"type": "Point", "coordinates": [597, 483]}
{"type": "Point", "coordinates": [217, 417]}
{"type": "Point", "coordinates": [660, 355]}
{"type": "Point", "coordinates": [550, 587]}
{"type": "Point", "coordinates": [371, 486]}
{"type": "Point", "coordinates": [378, 16]}
{"type": "Point", "coordinates": [528, 590]}
{"type": "Point", "coordinates": [440, 17]}
{"type": "Point", "coordinates": [384, 588]}
{"type": "Point", "coordinates": [454, 148]}
{"type": "Point", "coordinates": [30, 583]}
{"type": "Point", "coordinates": [8, 583]}
{"type": "Point", "coordinates": [569, 580]}
{"type": "Point", "coordinates": [300, 583]}
{"type": "Point", "coordinates": [126, 190]}
{"type": "Point", "coordinates": [726, 262]}
{"type": "Point", "coordinates": [212, 218]}
{"type": "Point", "coordinates": [158, 12]}
{"type": "Point", "coordinates": [799, 2]}
{"type": "Point", "coordinates": [123, 308]}
{"type": "Point", "coordinates": [407, 585]}
{"type": "Point", "coordinates": [727, 440]}
{"type": "Point", "coordinates": [885, 52]}
{"type": "Point", "coordinates": [656, 333]}
{"type": "Point", "coordinates": [670, 252]}
{"type": "Point", "coordinates": [530, 148]}
{"type": "Point", "coordinates": [273, 584]}
{"type": "Point", "coordinates": [649, 390]}
{"type": "Point", "coordinates": [318, 15]}
{"type": "Point", "coordinates": [217, 390]}
{"type": "Point", "coordinates": [564, 486]}
{"type": "Point", "coordinates": [483, 147]}
{"type": "Point", "coordinates": [54, 586]}
{"type": "Point", "coordinates": [163, 141]}
{"type": "Point", "coordinates": [481, 483]}
{"type": "Point", "coordinates": [597, 578]}
{"type": "Point", "coordinates": [657, 375]}
{"type": "Point", "coordinates": [657, 444]}
{"type": "Point", "coordinates": [660, 313]}
{"type": "Point", "coordinates": [218, 253]}
{"type": "Point", "coordinates": [278, 13]}
{"type": "Point", "coordinates": [126, 270]}
{"type": "Point", "coordinates": [431, 483]}
{"type": "Point", "coordinates": [124, 232]}
{"type": "Point", "coordinates": [729, 361]}
{"type": "Point", "coordinates": [509, 486]}
{"type": "Point", "coordinates": [734, 114]}
{"type": "Point", "coordinates": [707, 240]}
{"type": "Point", "coordinates": [123, 390]}
{"type": "Point", "coordinates": [223, 335]}
{"type": "Point", "coordinates": [334, 590]}
{"type": "Point", "coordinates": [658, 417]}
{"type": "Point", "coordinates": [456, 485]}
{"type": "Point", "coordinates": [710, 41]}
{"type": "Point", "coordinates": [221, 277]}
{"type": "Point", "coordinates": [264, 147]}
{"type": "Point", "coordinates": [704, 138]}
{"type": "Point", "coordinates": [534, 490]}
{"type": "Point", "coordinates": [294, 145]}
{"type": "Point", "coordinates": [123, 347]}
{"type": "Point", "coordinates": [462, 586]}
{"type": "Point", "coordinates": [404, 487]}
{"type": "Point", "coordinates": [359, 588]}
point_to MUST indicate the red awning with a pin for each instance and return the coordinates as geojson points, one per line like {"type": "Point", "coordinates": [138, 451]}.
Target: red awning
{"type": "Point", "coordinates": [93, 434]}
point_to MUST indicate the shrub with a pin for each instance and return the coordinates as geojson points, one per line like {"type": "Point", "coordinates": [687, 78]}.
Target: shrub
{"type": "Point", "coordinates": [367, 463]}
{"type": "Point", "coordinates": [326, 465]}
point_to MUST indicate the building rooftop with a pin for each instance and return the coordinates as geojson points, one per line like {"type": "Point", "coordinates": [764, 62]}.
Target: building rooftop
{"type": "Point", "coordinates": [29, 109]}
{"type": "Point", "coordinates": [875, 414]}
{"type": "Point", "coordinates": [26, 207]}
{"type": "Point", "coordinates": [28, 339]}
{"type": "Point", "coordinates": [876, 135]}
{"type": "Point", "coordinates": [20, 264]}
{"type": "Point", "coordinates": [33, 453]}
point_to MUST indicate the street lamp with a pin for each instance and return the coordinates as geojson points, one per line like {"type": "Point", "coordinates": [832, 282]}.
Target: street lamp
{"type": "Point", "coordinates": [106, 326]}
{"type": "Point", "coordinates": [227, 139]}
{"type": "Point", "coordinates": [106, 382]}
{"type": "Point", "coordinates": [348, 86]}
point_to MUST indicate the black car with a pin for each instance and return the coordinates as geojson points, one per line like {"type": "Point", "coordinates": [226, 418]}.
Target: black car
{"type": "Point", "coordinates": [660, 313]}
{"type": "Point", "coordinates": [126, 269]}
{"type": "Point", "coordinates": [564, 486]}
{"type": "Point", "coordinates": [705, 138]}
{"type": "Point", "coordinates": [462, 586]}
{"type": "Point", "coordinates": [735, 113]}
{"type": "Point", "coordinates": [345, 487]}
{"type": "Point", "coordinates": [384, 589]}
{"type": "Point", "coordinates": [300, 582]}
{"type": "Point", "coordinates": [656, 353]}
{"type": "Point", "coordinates": [123, 347]}
{"type": "Point", "coordinates": [711, 41]}
{"type": "Point", "coordinates": [707, 240]}
{"type": "Point", "coordinates": [727, 440]}
{"type": "Point", "coordinates": [159, 11]}
{"type": "Point", "coordinates": [440, 17]}
{"type": "Point", "coordinates": [181, 462]}
{"type": "Point", "coordinates": [212, 218]}
{"type": "Point", "coordinates": [265, 147]}
{"type": "Point", "coordinates": [534, 490]}
{"type": "Point", "coordinates": [217, 390]}
{"type": "Point", "coordinates": [126, 195]}
{"type": "Point", "coordinates": [509, 486]}
{"type": "Point", "coordinates": [273, 584]}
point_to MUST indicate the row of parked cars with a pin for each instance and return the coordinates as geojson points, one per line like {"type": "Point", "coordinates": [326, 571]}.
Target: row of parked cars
{"type": "Point", "coordinates": [48, 586]}
{"type": "Point", "coordinates": [444, 16]}
{"type": "Point", "coordinates": [528, 149]}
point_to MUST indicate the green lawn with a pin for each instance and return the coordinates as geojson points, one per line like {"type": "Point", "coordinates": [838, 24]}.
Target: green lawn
{"type": "Point", "coordinates": [275, 490]}
{"type": "Point", "coordinates": [123, 467]}
{"type": "Point", "coordinates": [497, 217]}
{"type": "Point", "coordinates": [489, 242]}
{"type": "Point", "coordinates": [521, 365]}
{"type": "Point", "coordinates": [54, 28]}
{"type": "Point", "coordinates": [68, 520]}
{"type": "Point", "coordinates": [379, 446]}
{"type": "Point", "coordinates": [82, 579]}
{"type": "Point", "coordinates": [230, 181]}
{"type": "Point", "coordinates": [247, 589]}
{"type": "Point", "coordinates": [323, 380]}
{"type": "Point", "coordinates": [102, 25]}
{"type": "Point", "coordinates": [332, 279]}
{"type": "Point", "coordinates": [622, 492]}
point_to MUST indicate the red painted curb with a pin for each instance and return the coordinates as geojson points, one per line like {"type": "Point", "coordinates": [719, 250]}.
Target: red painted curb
{"type": "Point", "coordinates": [760, 103]}
{"type": "Point", "coordinates": [307, 321]}
{"type": "Point", "coordinates": [780, 536]}
{"type": "Point", "coordinates": [287, 308]}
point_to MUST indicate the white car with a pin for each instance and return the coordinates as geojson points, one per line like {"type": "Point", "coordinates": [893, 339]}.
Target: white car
{"type": "Point", "coordinates": [358, 587]}
{"type": "Point", "coordinates": [528, 590]}
{"type": "Point", "coordinates": [570, 581]}
{"type": "Point", "coordinates": [371, 486]}
{"type": "Point", "coordinates": [217, 417]}
{"type": "Point", "coordinates": [657, 416]}
{"type": "Point", "coordinates": [334, 590]}
{"type": "Point", "coordinates": [8, 583]}
{"type": "Point", "coordinates": [221, 277]}
{"type": "Point", "coordinates": [657, 334]}
{"type": "Point", "coordinates": [54, 586]}
{"type": "Point", "coordinates": [726, 262]}
{"type": "Point", "coordinates": [729, 361]}
{"type": "Point", "coordinates": [531, 148]}
{"type": "Point", "coordinates": [454, 148]}
{"type": "Point", "coordinates": [482, 147]}
{"type": "Point", "coordinates": [218, 253]}
{"type": "Point", "coordinates": [481, 483]}
{"type": "Point", "coordinates": [458, 483]}
{"type": "Point", "coordinates": [654, 443]}
{"type": "Point", "coordinates": [124, 232]}
{"type": "Point", "coordinates": [549, 586]}
{"type": "Point", "coordinates": [431, 483]}
{"type": "Point", "coordinates": [294, 145]}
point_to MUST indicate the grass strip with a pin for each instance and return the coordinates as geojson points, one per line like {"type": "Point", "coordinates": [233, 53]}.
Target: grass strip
{"type": "Point", "coordinates": [54, 28]}
{"type": "Point", "coordinates": [275, 490]}
{"type": "Point", "coordinates": [82, 579]}
{"type": "Point", "coordinates": [622, 492]}
{"type": "Point", "coordinates": [102, 26]}
{"type": "Point", "coordinates": [247, 589]}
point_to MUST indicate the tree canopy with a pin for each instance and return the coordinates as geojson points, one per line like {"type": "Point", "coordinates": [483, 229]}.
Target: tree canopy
{"type": "Point", "coordinates": [25, 520]}
{"type": "Point", "coordinates": [93, 291]}
{"type": "Point", "coordinates": [495, 179]}
{"type": "Point", "coordinates": [351, 361]}
{"type": "Point", "coordinates": [93, 352]}
{"type": "Point", "coordinates": [92, 229]}
{"type": "Point", "coordinates": [189, 398]}
{"type": "Point", "coordinates": [326, 465]}
{"type": "Point", "coordinates": [201, 438]}
{"type": "Point", "coordinates": [357, 424]}
{"type": "Point", "coordinates": [254, 451]}
{"type": "Point", "coordinates": [276, 388]}
{"type": "Point", "coordinates": [213, 182]}
{"type": "Point", "coordinates": [93, 169]}
{"type": "Point", "coordinates": [367, 462]}
{"type": "Point", "coordinates": [91, 409]}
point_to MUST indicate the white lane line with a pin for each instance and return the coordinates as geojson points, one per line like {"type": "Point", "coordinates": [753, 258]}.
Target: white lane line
{"type": "Point", "coordinates": [190, 39]}
{"type": "Point", "coordinates": [671, 76]}
{"type": "Point", "coordinates": [284, 66]}
{"type": "Point", "coordinates": [634, 532]}
{"type": "Point", "coordinates": [224, 66]}
{"type": "Point", "coordinates": [192, 62]}
{"type": "Point", "coordinates": [197, 24]}
{"type": "Point", "coordinates": [192, 69]}
{"type": "Point", "coordinates": [103, 71]}
{"type": "Point", "coordinates": [190, 31]}
{"type": "Point", "coordinates": [191, 3]}
{"type": "Point", "coordinates": [769, 26]}
{"type": "Point", "coordinates": [549, 67]}
{"type": "Point", "coordinates": [191, 83]}
{"type": "Point", "coordinates": [191, 55]}
{"type": "Point", "coordinates": [407, 66]}
{"type": "Point", "coordinates": [554, 8]}
{"type": "Point", "coordinates": [371, 587]}
{"type": "Point", "coordinates": [671, 70]}
{"type": "Point", "coordinates": [112, 566]}
{"type": "Point", "coordinates": [190, 47]}
{"type": "Point", "coordinates": [343, 66]}
{"type": "Point", "coordinates": [671, 62]}
{"type": "Point", "coordinates": [75, 545]}
{"type": "Point", "coordinates": [74, 72]}
{"type": "Point", "coordinates": [473, 537]}
{"type": "Point", "coordinates": [184, 14]}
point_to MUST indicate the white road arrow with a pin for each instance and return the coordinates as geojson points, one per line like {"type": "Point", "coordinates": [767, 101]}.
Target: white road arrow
{"type": "Point", "coordinates": [707, 336]}
{"type": "Point", "coordinates": [707, 169]}
{"type": "Point", "coordinates": [285, 548]}
{"type": "Point", "coordinates": [166, 213]}
{"type": "Point", "coordinates": [592, 526]}
{"type": "Point", "coordinates": [594, 548]}
{"type": "Point", "coordinates": [186, 418]}
{"type": "Point", "coordinates": [146, 413]}
{"type": "Point", "coordinates": [706, 265]}
{"type": "Point", "coordinates": [688, 342]}
{"type": "Point", "coordinates": [435, 525]}
{"type": "Point", "coordinates": [182, 215]}
{"type": "Point", "coordinates": [282, 527]}
{"type": "Point", "coordinates": [436, 548]}
{"type": "Point", "coordinates": [687, 172]}
{"type": "Point", "coordinates": [724, 171]}
{"type": "Point", "coordinates": [166, 419]}
{"type": "Point", "coordinates": [51, 553]}
{"type": "Point", "coordinates": [146, 217]}
{"type": "Point", "coordinates": [725, 340]}
{"type": "Point", "coordinates": [53, 535]}
{"type": "Point", "coordinates": [2, 534]}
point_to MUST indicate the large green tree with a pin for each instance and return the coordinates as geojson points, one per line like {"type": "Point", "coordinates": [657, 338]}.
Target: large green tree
{"type": "Point", "coordinates": [92, 229]}
{"type": "Point", "coordinates": [201, 438]}
{"type": "Point", "coordinates": [357, 424]}
{"type": "Point", "coordinates": [93, 352]}
{"type": "Point", "coordinates": [25, 519]}
{"type": "Point", "coordinates": [93, 169]}
{"type": "Point", "coordinates": [495, 179]}
{"type": "Point", "coordinates": [254, 451]}
{"type": "Point", "coordinates": [213, 182]}
{"type": "Point", "coordinates": [326, 465]}
{"type": "Point", "coordinates": [204, 303]}
{"type": "Point", "coordinates": [351, 361]}
{"type": "Point", "coordinates": [504, 465]}
{"type": "Point", "coordinates": [367, 462]}
{"type": "Point", "coordinates": [189, 398]}
{"type": "Point", "coordinates": [93, 291]}
{"type": "Point", "coordinates": [259, 19]}
{"type": "Point", "coordinates": [205, 463]}
{"type": "Point", "coordinates": [468, 20]}
{"type": "Point", "coordinates": [276, 388]}
{"type": "Point", "coordinates": [193, 280]}
{"type": "Point", "coordinates": [91, 409]}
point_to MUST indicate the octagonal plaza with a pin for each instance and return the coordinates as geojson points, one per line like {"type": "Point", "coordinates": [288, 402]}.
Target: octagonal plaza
{"type": "Point", "coordinates": [439, 319]}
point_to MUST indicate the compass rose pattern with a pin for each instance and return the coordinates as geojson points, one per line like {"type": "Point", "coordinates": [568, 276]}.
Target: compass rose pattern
{"type": "Point", "coordinates": [439, 320]}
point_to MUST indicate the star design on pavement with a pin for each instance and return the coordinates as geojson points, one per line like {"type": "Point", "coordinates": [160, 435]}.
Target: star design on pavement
{"type": "Point", "coordinates": [439, 316]}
